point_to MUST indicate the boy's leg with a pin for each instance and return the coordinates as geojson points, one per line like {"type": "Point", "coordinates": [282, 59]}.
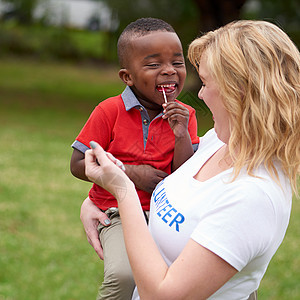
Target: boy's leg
{"type": "Point", "coordinates": [118, 283]}
{"type": "Point", "coordinates": [253, 296]}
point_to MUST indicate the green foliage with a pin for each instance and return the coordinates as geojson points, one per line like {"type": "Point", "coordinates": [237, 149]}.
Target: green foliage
{"type": "Point", "coordinates": [182, 15]}
{"type": "Point", "coordinates": [285, 14]}
{"type": "Point", "coordinates": [171, 11]}
{"type": "Point", "coordinates": [65, 43]}
{"type": "Point", "coordinates": [23, 10]}
{"type": "Point", "coordinates": [185, 16]}
{"type": "Point", "coordinates": [54, 43]}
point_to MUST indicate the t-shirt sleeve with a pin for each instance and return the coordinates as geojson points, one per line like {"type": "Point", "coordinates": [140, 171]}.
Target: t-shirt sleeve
{"type": "Point", "coordinates": [240, 229]}
{"type": "Point", "coordinates": [97, 128]}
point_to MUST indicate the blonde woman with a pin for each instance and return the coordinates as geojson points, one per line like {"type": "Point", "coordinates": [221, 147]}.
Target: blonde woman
{"type": "Point", "coordinates": [217, 221]}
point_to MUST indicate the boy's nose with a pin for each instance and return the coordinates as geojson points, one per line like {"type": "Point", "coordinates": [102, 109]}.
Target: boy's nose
{"type": "Point", "coordinates": [169, 70]}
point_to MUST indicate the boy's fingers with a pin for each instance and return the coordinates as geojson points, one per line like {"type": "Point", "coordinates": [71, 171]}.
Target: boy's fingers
{"type": "Point", "coordinates": [161, 173]}
{"type": "Point", "coordinates": [175, 113]}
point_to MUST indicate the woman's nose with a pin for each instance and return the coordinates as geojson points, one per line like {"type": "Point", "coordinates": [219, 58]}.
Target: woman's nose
{"type": "Point", "coordinates": [200, 94]}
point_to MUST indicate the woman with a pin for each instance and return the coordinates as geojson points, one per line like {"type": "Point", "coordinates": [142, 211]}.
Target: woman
{"type": "Point", "coordinates": [217, 221]}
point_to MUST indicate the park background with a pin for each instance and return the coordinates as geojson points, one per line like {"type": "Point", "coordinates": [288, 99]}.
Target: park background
{"type": "Point", "coordinates": [51, 78]}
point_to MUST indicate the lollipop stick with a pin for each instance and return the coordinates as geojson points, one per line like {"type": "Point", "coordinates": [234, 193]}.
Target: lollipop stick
{"type": "Point", "coordinates": [165, 97]}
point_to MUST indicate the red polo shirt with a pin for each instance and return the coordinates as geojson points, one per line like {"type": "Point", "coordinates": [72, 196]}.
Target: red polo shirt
{"type": "Point", "coordinates": [122, 127]}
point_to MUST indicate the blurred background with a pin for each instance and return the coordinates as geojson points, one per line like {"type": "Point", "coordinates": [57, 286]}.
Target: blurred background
{"type": "Point", "coordinates": [58, 60]}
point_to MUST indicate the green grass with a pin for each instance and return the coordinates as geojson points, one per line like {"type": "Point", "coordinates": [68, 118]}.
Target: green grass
{"type": "Point", "coordinates": [44, 254]}
{"type": "Point", "coordinates": [43, 250]}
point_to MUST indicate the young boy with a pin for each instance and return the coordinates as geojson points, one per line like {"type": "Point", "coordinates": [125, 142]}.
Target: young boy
{"type": "Point", "coordinates": [150, 135]}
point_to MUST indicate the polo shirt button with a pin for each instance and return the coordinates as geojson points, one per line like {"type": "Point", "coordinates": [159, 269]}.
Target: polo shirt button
{"type": "Point", "coordinates": [145, 122]}
{"type": "Point", "coordinates": [141, 109]}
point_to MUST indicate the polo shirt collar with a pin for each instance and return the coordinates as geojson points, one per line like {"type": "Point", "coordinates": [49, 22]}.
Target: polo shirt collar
{"type": "Point", "coordinates": [129, 99]}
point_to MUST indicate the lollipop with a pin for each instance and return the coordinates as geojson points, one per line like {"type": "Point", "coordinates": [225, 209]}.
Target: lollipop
{"type": "Point", "coordinates": [165, 97]}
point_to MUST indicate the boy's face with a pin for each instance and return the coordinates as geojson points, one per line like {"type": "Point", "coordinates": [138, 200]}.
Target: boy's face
{"type": "Point", "coordinates": [155, 61]}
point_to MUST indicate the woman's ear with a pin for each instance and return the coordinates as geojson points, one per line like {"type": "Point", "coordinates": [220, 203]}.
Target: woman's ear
{"type": "Point", "coordinates": [126, 77]}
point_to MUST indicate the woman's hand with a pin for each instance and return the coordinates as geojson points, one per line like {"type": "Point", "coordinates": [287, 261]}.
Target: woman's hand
{"type": "Point", "coordinates": [91, 216]}
{"type": "Point", "coordinates": [106, 171]}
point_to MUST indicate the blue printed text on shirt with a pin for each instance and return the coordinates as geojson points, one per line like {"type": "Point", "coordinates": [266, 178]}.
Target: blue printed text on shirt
{"type": "Point", "coordinates": [166, 211]}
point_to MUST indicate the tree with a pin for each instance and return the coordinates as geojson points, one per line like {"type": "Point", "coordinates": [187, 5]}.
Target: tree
{"type": "Point", "coordinates": [205, 14]}
{"type": "Point", "coordinates": [23, 10]}
{"type": "Point", "coordinates": [188, 17]}
{"type": "Point", "coordinates": [216, 13]}
{"type": "Point", "coordinates": [181, 14]}
{"type": "Point", "coordinates": [285, 13]}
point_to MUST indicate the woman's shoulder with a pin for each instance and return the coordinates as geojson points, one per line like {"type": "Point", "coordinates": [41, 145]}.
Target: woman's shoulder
{"type": "Point", "coordinates": [209, 139]}
{"type": "Point", "coordinates": [263, 191]}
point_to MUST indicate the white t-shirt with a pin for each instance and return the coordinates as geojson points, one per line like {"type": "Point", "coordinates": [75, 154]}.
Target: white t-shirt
{"type": "Point", "coordinates": [243, 221]}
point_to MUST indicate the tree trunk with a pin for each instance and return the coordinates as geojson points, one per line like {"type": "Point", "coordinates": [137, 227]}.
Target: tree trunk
{"type": "Point", "coordinates": [216, 13]}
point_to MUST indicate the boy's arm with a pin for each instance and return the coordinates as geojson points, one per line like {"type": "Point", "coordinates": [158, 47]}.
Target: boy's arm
{"type": "Point", "coordinates": [77, 165]}
{"type": "Point", "coordinates": [183, 150]}
{"type": "Point", "coordinates": [144, 177]}
{"type": "Point", "coordinates": [178, 118]}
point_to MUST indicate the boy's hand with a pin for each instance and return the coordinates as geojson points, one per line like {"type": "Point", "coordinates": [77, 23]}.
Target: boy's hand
{"type": "Point", "coordinates": [145, 177]}
{"type": "Point", "coordinates": [178, 118]}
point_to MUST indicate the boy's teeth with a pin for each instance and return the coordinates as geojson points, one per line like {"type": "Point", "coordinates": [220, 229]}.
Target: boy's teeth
{"type": "Point", "coordinates": [168, 88]}
{"type": "Point", "coordinates": [167, 85]}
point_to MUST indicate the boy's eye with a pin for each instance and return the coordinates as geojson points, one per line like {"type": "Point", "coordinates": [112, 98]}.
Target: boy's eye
{"type": "Point", "coordinates": [152, 65]}
{"type": "Point", "coordinates": [178, 64]}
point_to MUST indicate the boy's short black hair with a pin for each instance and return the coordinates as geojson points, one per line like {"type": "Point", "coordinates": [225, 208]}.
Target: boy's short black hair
{"type": "Point", "coordinates": [140, 27]}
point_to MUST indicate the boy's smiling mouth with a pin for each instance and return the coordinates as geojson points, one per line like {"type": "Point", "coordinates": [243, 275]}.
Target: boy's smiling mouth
{"type": "Point", "coordinates": [169, 88]}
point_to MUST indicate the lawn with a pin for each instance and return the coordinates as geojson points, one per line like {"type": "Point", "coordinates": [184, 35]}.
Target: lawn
{"type": "Point", "coordinates": [44, 254]}
{"type": "Point", "coordinates": [43, 250]}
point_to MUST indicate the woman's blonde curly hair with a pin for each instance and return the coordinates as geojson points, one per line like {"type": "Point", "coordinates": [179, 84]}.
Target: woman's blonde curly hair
{"type": "Point", "coordinates": [257, 68]}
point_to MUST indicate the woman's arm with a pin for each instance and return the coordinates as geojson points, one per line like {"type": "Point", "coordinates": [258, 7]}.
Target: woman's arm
{"type": "Point", "coordinates": [195, 274]}
{"type": "Point", "coordinates": [90, 214]}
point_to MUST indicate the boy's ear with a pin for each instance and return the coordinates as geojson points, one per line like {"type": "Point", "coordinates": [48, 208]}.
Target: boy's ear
{"type": "Point", "coordinates": [125, 77]}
